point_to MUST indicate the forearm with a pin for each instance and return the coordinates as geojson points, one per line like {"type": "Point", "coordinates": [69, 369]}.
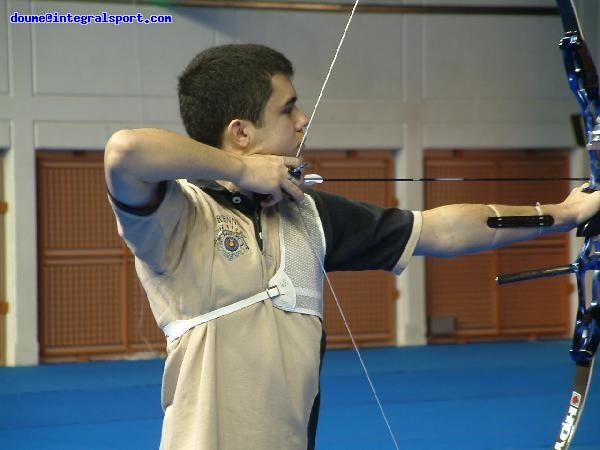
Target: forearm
{"type": "Point", "coordinates": [136, 161]}
{"type": "Point", "coordinates": [153, 155]}
{"type": "Point", "coordinates": [460, 229]}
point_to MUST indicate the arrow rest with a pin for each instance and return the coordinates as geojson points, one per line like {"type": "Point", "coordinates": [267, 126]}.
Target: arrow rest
{"type": "Point", "coordinates": [590, 228]}
{"type": "Point", "coordinates": [296, 172]}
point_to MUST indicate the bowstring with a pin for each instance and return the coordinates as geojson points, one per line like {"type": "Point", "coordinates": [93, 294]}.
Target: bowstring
{"type": "Point", "coordinates": [322, 266]}
{"type": "Point", "coordinates": [353, 340]}
{"type": "Point", "coordinates": [324, 85]}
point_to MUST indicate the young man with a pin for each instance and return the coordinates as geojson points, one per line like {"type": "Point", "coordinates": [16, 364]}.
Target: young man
{"type": "Point", "coordinates": [231, 264]}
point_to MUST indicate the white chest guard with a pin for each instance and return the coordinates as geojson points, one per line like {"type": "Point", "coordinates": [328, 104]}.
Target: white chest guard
{"type": "Point", "coordinates": [302, 242]}
{"type": "Point", "coordinates": [297, 286]}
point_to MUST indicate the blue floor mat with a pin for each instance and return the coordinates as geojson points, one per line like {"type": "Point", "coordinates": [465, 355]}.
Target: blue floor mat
{"type": "Point", "coordinates": [493, 396]}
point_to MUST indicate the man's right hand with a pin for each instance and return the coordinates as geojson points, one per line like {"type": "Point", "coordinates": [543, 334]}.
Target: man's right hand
{"type": "Point", "coordinates": [269, 175]}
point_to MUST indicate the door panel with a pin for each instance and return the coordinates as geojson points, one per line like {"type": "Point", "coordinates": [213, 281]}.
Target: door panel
{"type": "Point", "coordinates": [90, 302]}
{"type": "Point", "coordinates": [367, 298]}
{"type": "Point", "coordinates": [463, 289]}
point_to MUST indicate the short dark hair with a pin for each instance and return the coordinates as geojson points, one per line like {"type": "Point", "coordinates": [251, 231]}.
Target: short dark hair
{"type": "Point", "coordinates": [227, 82]}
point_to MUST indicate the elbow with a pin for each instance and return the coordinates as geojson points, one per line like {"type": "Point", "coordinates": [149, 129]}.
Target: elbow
{"type": "Point", "coordinates": [119, 150]}
{"type": "Point", "coordinates": [441, 245]}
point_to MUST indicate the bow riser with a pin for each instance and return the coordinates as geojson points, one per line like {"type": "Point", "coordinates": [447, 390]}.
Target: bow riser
{"type": "Point", "coordinates": [583, 81]}
{"type": "Point", "coordinates": [582, 77]}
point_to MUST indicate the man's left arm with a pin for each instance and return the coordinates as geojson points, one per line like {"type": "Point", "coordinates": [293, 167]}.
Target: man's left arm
{"type": "Point", "coordinates": [454, 230]}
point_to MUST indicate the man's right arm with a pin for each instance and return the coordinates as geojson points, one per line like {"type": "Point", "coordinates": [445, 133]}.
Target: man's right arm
{"type": "Point", "coordinates": [136, 161]}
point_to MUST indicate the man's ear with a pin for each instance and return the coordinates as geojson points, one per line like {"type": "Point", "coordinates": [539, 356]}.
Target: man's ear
{"type": "Point", "coordinates": [239, 133]}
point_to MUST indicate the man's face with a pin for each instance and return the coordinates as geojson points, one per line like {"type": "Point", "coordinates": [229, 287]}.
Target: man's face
{"type": "Point", "coordinates": [283, 122]}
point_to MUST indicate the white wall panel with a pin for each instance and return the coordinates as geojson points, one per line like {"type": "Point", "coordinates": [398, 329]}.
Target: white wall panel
{"type": "Point", "coordinates": [56, 135]}
{"type": "Point", "coordinates": [369, 65]}
{"type": "Point", "coordinates": [4, 134]}
{"type": "Point", "coordinates": [165, 50]}
{"type": "Point", "coordinates": [4, 66]}
{"type": "Point", "coordinates": [362, 136]}
{"type": "Point", "coordinates": [494, 135]}
{"type": "Point", "coordinates": [492, 57]}
{"type": "Point", "coordinates": [95, 59]}
{"type": "Point", "coordinates": [109, 108]}
{"type": "Point", "coordinates": [309, 40]}
{"type": "Point", "coordinates": [19, 184]}
{"type": "Point", "coordinates": [502, 110]}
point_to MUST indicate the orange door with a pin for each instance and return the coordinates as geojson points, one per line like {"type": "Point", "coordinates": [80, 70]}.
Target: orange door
{"type": "Point", "coordinates": [367, 298]}
{"type": "Point", "coordinates": [90, 302]}
{"type": "Point", "coordinates": [463, 289]}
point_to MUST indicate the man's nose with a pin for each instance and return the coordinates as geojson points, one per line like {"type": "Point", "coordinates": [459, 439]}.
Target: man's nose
{"type": "Point", "coordinates": [302, 121]}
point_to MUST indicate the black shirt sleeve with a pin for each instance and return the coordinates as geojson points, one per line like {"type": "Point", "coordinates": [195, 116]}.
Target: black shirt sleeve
{"type": "Point", "coordinates": [359, 235]}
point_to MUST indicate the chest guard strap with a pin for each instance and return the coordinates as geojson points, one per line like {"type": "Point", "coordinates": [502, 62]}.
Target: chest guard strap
{"type": "Point", "coordinates": [279, 290]}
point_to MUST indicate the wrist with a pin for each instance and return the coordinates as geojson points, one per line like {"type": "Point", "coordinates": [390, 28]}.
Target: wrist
{"type": "Point", "coordinates": [565, 218]}
{"type": "Point", "coordinates": [237, 167]}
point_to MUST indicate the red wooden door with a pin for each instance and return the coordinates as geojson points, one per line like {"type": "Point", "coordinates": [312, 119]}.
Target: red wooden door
{"type": "Point", "coordinates": [90, 302]}
{"type": "Point", "coordinates": [367, 298]}
{"type": "Point", "coordinates": [464, 288]}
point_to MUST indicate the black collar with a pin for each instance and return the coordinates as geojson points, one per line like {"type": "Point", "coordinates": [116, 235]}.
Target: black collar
{"type": "Point", "coordinates": [222, 195]}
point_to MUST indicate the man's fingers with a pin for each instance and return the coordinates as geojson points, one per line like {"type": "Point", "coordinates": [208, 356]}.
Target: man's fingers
{"type": "Point", "coordinates": [291, 161]}
{"type": "Point", "coordinates": [290, 189]}
{"type": "Point", "coordinates": [272, 199]}
{"type": "Point", "coordinates": [294, 192]}
{"type": "Point", "coordinates": [287, 185]}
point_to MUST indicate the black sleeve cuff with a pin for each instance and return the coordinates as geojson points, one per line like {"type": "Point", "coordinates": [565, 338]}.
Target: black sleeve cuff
{"type": "Point", "coordinates": [143, 210]}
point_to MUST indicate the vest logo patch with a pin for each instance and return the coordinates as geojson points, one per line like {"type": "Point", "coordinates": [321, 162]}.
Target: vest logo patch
{"type": "Point", "coordinates": [230, 240]}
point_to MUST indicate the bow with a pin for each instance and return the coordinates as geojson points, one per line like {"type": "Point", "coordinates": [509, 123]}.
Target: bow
{"type": "Point", "coordinates": [583, 81]}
